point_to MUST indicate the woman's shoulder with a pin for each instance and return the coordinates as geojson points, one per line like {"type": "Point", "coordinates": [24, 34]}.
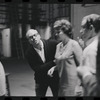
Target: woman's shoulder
{"type": "Point", "coordinates": [74, 42]}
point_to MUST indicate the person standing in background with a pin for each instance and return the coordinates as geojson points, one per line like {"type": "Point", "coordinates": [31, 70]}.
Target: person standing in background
{"type": "Point", "coordinates": [2, 81]}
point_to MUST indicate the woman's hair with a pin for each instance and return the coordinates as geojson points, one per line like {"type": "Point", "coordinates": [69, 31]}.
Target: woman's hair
{"type": "Point", "coordinates": [92, 20]}
{"type": "Point", "coordinates": [65, 26]}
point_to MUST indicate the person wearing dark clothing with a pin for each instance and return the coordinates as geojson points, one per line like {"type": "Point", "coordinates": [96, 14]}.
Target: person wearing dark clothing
{"type": "Point", "coordinates": [40, 56]}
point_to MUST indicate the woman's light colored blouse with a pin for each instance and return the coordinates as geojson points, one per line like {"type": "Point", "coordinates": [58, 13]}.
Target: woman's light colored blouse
{"type": "Point", "coordinates": [68, 57]}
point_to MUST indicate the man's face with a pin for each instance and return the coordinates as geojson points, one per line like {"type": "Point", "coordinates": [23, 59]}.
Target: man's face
{"type": "Point", "coordinates": [34, 38]}
{"type": "Point", "coordinates": [85, 33]}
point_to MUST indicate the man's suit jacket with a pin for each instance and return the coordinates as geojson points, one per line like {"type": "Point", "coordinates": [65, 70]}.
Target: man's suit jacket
{"type": "Point", "coordinates": [38, 65]}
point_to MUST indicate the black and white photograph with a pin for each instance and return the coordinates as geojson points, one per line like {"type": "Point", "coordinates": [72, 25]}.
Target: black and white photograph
{"type": "Point", "coordinates": [49, 50]}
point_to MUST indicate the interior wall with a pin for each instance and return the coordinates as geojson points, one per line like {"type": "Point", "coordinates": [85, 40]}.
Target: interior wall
{"type": "Point", "coordinates": [78, 12]}
{"type": "Point", "coordinates": [45, 32]}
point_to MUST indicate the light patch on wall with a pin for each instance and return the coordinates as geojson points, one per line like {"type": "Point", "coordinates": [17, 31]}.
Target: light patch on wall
{"type": "Point", "coordinates": [48, 32]}
{"type": "Point", "coordinates": [45, 32]}
{"type": "Point", "coordinates": [2, 26]}
{"type": "Point", "coordinates": [89, 5]}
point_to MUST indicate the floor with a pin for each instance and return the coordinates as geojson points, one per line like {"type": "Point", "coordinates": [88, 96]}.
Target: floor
{"type": "Point", "coordinates": [21, 81]}
{"type": "Point", "coordinates": [21, 78]}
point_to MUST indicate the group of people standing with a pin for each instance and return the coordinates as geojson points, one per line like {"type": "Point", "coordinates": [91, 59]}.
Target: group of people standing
{"type": "Point", "coordinates": [54, 63]}
{"type": "Point", "coordinates": [61, 64]}
{"type": "Point", "coordinates": [64, 63]}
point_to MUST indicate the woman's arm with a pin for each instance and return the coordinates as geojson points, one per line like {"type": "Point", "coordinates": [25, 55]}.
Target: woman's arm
{"type": "Point", "coordinates": [77, 53]}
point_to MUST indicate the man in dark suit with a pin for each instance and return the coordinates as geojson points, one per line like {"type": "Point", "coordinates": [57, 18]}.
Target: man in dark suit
{"type": "Point", "coordinates": [40, 56]}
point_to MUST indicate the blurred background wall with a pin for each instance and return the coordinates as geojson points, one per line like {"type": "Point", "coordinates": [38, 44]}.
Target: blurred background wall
{"type": "Point", "coordinates": [18, 18]}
